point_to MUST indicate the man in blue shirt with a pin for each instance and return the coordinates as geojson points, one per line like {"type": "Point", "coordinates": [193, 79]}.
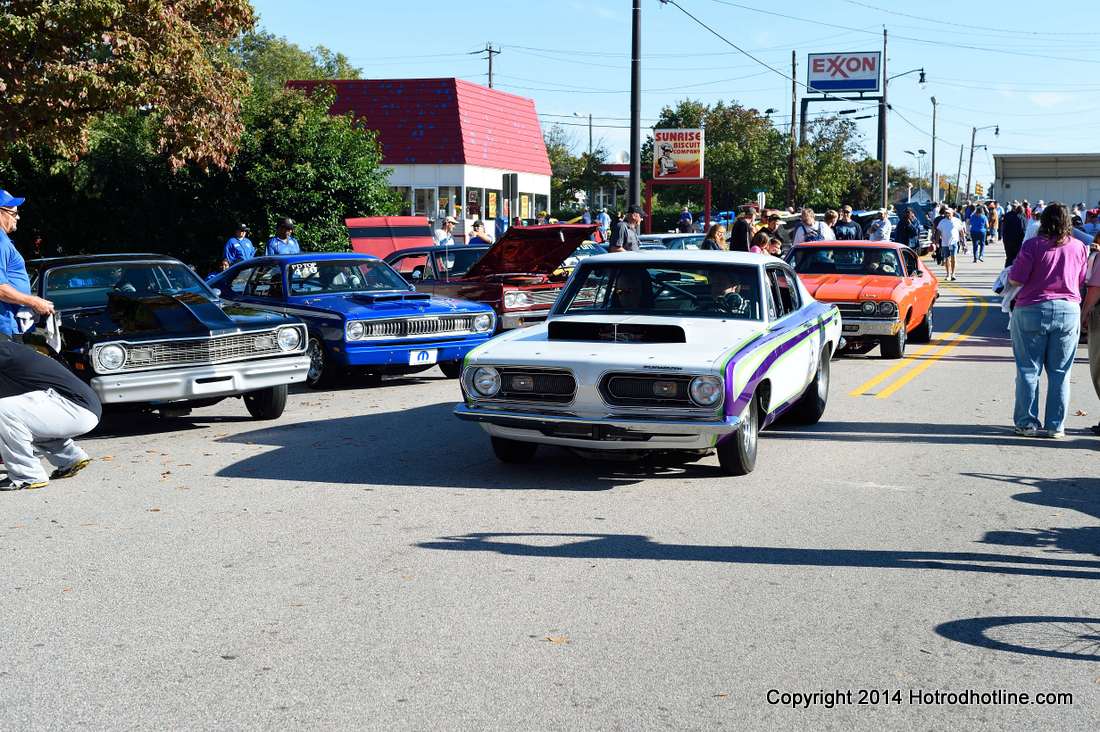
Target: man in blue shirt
{"type": "Point", "coordinates": [283, 242]}
{"type": "Point", "coordinates": [605, 222]}
{"type": "Point", "coordinates": [239, 247]}
{"type": "Point", "coordinates": [15, 285]}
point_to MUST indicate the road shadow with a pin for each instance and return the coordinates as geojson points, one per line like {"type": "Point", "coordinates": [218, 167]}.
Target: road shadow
{"type": "Point", "coordinates": [403, 449]}
{"type": "Point", "coordinates": [1076, 494]}
{"type": "Point", "coordinates": [1073, 638]}
{"type": "Point", "coordinates": [928, 433]}
{"type": "Point", "coordinates": [131, 424]}
{"type": "Point", "coordinates": [637, 546]}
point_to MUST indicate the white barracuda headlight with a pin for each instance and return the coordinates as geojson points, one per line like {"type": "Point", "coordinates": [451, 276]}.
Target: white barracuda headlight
{"type": "Point", "coordinates": [516, 300]}
{"type": "Point", "coordinates": [706, 391]}
{"type": "Point", "coordinates": [111, 358]}
{"type": "Point", "coordinates": [356, 330]}
{"type": "Point", "coordinates": [483, 323]}
{"type": "Point", "coordinates": [288, 338]}
{"type": "Point", "coordinates": [888, 308]}
{"type": "Point", "coordinates": [485, 380]}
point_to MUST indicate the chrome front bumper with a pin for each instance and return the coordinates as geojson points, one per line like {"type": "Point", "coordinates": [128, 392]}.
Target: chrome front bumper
{"type": "Point", "coordinates": [200, 382]}
{"type": "Point", "coordinates": [868, 327]}
{"type": "Point", "coordinates": [601, 433]}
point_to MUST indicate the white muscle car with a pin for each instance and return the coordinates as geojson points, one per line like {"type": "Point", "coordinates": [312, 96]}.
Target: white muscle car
{"type": "Point", "coordinates": [658, 351]}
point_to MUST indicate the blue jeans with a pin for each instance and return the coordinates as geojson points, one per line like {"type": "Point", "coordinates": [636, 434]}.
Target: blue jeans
{"type": "Point", "coordinates": [978, 237]}
{"type": "Point", "coordinates": [1044, 335]}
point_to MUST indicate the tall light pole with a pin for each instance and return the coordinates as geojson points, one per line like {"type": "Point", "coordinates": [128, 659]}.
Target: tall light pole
{"type": "Point", "coordinates": [974, 133]}
{"type": "Point", "coordinates": [934, 188]}
{"type": "Point", "coordinates": [634, 195]}
{"type": "Point", "coordinates": [588, 193]}
{"type": "Point", "coordinates": [884, 108]}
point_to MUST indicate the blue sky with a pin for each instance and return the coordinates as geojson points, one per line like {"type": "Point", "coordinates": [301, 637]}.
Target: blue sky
{"type": "Point", "coordinates": [1033, 70]}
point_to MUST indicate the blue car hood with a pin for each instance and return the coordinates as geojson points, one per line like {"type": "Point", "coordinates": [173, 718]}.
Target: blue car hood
{"type": "Point", "coordinates": [362, 306]}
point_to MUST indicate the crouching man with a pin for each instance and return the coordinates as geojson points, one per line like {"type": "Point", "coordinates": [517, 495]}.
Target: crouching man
{"type": "Point", "coordinates": [42, 408]}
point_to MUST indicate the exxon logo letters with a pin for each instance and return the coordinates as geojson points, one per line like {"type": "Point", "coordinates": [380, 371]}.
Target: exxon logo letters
{"type": "Point", "coordinates": [858, 72]}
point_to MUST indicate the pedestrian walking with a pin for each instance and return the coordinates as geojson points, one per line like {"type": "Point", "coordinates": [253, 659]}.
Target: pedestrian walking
{"type": "Point", "coordinates": [239, 248]}
{"type": "Point", "coordinates": [742, 230]}
{"type": "Point", "coordinates": [1015, 225]}
{"type": "Point", "coordinates": [43, 406]}
{"type": "Point", "coordinates": [810, 229]}
{"type": "Point", "coordinates": [979, 228]}
{"type": "Point", "coordinates": [443, 235]}
{"type": "Point", "coordinates": [880, 228]}
{"type": "Point", "coordinates": [283, 242]}
{"type": "Point", "coordinates": [625, 236]}
{"type": "Point", "coordinates": [716, 238]}
{"type": "Point", "coordinates": [996, 212]}
{"type": "Point", "coordinates": [908, 230]}
{"type": "Point", "coordinates": [1090, 318]}
{"type": "Point", "coordinates": [951, 232]}
{"type": "Point", "coordinates": [15, 284]}
{"type": "Point", "coordinates": [1046, 322]}
{"type": "Point", "coordinates": [604, 220]}
{"type": "Point", "coordinates": [846, 229]}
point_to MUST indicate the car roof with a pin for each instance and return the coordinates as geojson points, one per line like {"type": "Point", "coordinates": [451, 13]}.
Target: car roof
{"type": "Point", "coordinates": [74, 259]}
{"type": "Point", "coordinates": [433, 250]}
{"type": "Point", "coordinates": [304, 257]}
{"type": "Point", "coordinates": [656, 256]}
{"type": "Point", "coordinates": [670, 235]}
{"type": "Point", "coordinates": [829, 243]}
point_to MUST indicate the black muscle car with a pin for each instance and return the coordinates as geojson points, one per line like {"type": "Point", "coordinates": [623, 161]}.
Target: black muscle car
{"type": "Point", "coordinates": [145, 330]}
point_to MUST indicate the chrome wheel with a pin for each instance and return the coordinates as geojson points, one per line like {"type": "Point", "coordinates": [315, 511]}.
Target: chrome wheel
{"type": "Point", "coordinates": [316, 353]}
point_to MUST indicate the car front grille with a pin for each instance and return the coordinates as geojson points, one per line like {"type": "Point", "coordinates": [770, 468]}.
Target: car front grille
{"type": "Point", "coordinates": [634, 390]}
{"type": "Point", "coordinates": [854, 310]}
{"type": "Point", "coordinates": [543, 297]}
{"type": "Point", "coordinates": [217, 349]}
{"type": "Point", "coordinates": [418, 327]}
{"type": "Point", "coordinates": [554, 386]}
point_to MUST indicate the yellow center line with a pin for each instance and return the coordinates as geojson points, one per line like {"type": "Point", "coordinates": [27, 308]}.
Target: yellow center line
{"type": "Point", "coordinates": [952, 343]}
{"type": "Point", "coordinates": [911, 358]}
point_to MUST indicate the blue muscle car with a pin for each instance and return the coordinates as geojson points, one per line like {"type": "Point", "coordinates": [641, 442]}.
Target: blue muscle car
{"type": "Point", "coordinates": [360, 313]}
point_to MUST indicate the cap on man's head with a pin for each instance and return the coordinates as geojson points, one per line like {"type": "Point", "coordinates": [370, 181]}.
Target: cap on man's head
{"type": "Point", "coordinates": [285, 223]}
{"type": "Point", "coordinates": [7, 200]}
{"type": "Point", "coordinates": [636, 209]}
{"type": "Point", "coordinates": [773, 216]}
{"type": "Point", "coordinates": [241, 227]}
{"type": "Point", "coordinates": [450, 220]}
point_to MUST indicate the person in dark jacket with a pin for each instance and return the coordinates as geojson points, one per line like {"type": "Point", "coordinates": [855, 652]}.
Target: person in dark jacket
{"type": "Point", "coordinates": [43, 406]}
{"type": "Point", "coordinates": [741, 234]}
{"type": "Point", "coordinates": [909, 230]}
{"type": "Point", "coordinates": [1015, 225]}
{"type": "Point", "coordinates": [846, 229]}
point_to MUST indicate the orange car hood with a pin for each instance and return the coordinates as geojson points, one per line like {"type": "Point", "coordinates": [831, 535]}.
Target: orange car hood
{"type": "Point", "coordinates": [851, 288]}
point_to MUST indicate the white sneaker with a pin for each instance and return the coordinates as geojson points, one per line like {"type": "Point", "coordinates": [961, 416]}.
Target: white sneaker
{"type": "Point", "coordinates": [1059, 435]}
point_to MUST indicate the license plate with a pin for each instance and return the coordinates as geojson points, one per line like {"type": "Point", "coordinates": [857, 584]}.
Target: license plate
{"type": "Point", "coordinates": [424, 357]}
{"type": "Point", "coordinates": [851, 328]}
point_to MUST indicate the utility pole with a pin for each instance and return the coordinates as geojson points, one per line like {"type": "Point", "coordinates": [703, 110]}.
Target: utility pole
{"type": "Point", "coordinates": [970, 167]}
{"type": "Point", "coordinates": [958, 174]}
{"type": "Point", "coordinates": [634, 195]}
{"type": "Point", "coordinates": [589, 134]}
{"type": "Point", "coordinates": [884, 107]}
{"type": "Point", "coordinates": [933, 187]}
{"type": "Point", "coordinates": [791, 172]}
{"type": "Point", "coordinates": [490, 52]}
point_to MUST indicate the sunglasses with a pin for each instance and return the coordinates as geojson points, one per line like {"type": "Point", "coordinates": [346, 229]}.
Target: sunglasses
{"type": "Point", "coordinates": [10, 212]}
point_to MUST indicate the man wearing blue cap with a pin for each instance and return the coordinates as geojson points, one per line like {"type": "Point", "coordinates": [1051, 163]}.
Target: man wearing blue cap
{"type": "Point", "coordinates": [239, 247]}
{"type": "Point", "coordinates": [15, 285]}
{"type": "Point", "coordinates": [283, 242]}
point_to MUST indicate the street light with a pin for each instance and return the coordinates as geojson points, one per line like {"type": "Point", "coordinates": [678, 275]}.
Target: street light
{"type": "Point", "coordinates": [973, 133]}
{"type": "Point", "coordinates": [883, 110]}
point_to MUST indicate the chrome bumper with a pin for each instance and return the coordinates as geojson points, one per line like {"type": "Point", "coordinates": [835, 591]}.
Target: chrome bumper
{"type": "Point", "coordinates": [510, 321]}
{"type": "Point", "coordinates": [200, 382]}
{"type": "Point", "coordinates": [603, 433]}
{"type": "Point", "coordinates": [868, 327]}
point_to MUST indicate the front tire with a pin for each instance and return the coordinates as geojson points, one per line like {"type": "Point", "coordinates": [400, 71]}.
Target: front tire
{"type": "Point", "coordinates": [923, 332]}
{"type": "Point", "coordinates": [737, 454]}
{"type": "Point", "coordinates": [266, 403]}
{"type": "Point", "coordinates": [513, 451]}
{"type": "Point", "coordinates": [893, 347]}
{"type": "Point", "coordinates": [811, 405]}
{"type": "Point", "coordinates": [451, 369]}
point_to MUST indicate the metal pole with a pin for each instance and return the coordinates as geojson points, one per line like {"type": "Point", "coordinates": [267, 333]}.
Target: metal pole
{"type": "Point", "coordinates": [958, 175]}
{"type": "Point", "coordinates": [635, 192]}
{"type": "Point", "coordinates": [791, 172]}
{"type": "Point", "coordinates": [802, 120]}
{"type": "Point", "coordinates": [489, 48]}
{"type": "Point", "coordinates": [970, 168]}
{"type": "Point", "coordinates": [883, 109]}
{"type": "Point", "coordinates": [932, 176]}
{"type": "Point", "coordinates": [589, 134]}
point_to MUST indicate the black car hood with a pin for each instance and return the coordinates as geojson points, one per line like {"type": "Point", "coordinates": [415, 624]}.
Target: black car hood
{"type": "Point", "coordinates": [178, 316]}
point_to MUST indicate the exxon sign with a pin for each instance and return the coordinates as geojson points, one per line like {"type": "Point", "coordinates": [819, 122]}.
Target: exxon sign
{"type": "Point", "coordinates": [844, 72]}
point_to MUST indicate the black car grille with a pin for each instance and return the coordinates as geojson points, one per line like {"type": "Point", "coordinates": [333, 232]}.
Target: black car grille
{"type": "Point", "coordinates": [633, 390]}
{"type": "Point", "coordinates": [855, 310]}
{"type": "Point", "coordinates": [418, 327]}
{"type": "Point", "coordinates": [545, 385]}
{"type": "Point", "coordinates": [218, 349]}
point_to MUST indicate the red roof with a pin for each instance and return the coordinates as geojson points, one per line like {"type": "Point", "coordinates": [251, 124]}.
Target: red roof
{"type": "Point", "coordinates": [445, 122]}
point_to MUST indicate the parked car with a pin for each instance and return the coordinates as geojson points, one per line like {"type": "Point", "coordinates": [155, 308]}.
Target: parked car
{"type": "Point", "coordinates": [883, 290]}
{"type": "Point", "coordinates": [683, 352]}
{"type": "Point", "coordinates": [519, 276]}
{"type": "Point", "coordinates": [361, 313]}
{"type": "Point", "coordinates": [145, 331]}
{"type": "Point", "coordinates": [671, 241]}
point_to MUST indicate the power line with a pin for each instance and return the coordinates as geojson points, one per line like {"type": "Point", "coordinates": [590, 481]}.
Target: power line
{"type": "Point", "coordinates": [589, 90]}
{"type": "Point", "coordinates": [970, 29]}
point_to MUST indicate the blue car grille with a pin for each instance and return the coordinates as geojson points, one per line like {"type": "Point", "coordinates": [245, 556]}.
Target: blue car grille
{"type": "Point", "coordinates": [451, 325]}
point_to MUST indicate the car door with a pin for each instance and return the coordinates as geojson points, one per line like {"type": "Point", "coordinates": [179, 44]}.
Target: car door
{"type": "Point", "coordinates": [920, 286]}
{"type": "Point", "coordinates": [265, 288]}
{"type": "Point", "coordinates": [796, 361]}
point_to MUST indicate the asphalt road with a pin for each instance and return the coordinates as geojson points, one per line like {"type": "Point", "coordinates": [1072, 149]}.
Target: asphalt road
{"type": "Point", "coordinates": [365, 562]}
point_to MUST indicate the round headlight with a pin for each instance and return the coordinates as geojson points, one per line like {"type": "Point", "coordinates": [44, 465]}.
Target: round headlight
{"type": "Point", "coordinates": [289, 339]}
{"type": "Point", "coordinates": [111, 358]}
{"type": "Point", "coordinates": [486, 381]}
{"type": "Point", "coordinates": [706, 391]}
{"type": "Point", "coordinates": [887, 308]}
{"type": "Point", "coordinates": [483, 323]}
{"type": "Point", "coordinates": [868, 308]}
{"type": "Point", "coordinates": [356, 330]}
{"type": "Point", "coordinates": [516, 299]}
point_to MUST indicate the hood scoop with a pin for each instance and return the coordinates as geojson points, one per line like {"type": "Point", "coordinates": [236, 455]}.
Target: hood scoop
{"type": "Point", "coordinates": [370, 298]}
{"type": "Point", "coordinates": [564, 330]}
{"type": "Point", "coordinates": [179, 314]}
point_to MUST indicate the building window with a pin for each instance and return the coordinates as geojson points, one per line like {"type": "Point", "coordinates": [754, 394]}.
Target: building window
{"type": "Point", "coordinates": [525, 205]}
{"type": "Point", "coordinates": [542, 203]}
{"type": "Point", "coordinates": [475, 198]}
{"type": "Point", "coordinates": [406, 194]}
{"type": "Point", "coordinates": [450, 202]}
{"type": "Point", "coordinates": [492, 204]}
{"type": "Point", "coordinates": [424, 202]}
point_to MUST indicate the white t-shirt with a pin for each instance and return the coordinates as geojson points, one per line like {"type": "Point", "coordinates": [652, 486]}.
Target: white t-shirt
{"type": "Point", "coordinates": [824, 231]}
{"type": "Point", "coordinates": [443, 238]}
{"type": "Point", "coordinates": [950, 232]}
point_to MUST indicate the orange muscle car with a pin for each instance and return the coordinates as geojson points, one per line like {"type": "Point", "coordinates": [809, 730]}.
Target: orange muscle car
{"type": "Point", "coordinates": [883, 290]}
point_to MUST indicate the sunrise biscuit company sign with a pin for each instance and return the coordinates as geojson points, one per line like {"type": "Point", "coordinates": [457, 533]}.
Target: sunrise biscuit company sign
{"type": "Point", "coordinates": [678, 153]}
{"type": "Point", "coordinates": [844, 72]}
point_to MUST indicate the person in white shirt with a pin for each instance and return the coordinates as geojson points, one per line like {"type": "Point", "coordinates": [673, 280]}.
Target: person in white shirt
{"type": "Point", "coordinates": [443, 234]}
{"type": "Point", "coordinates": [810, 229]}
{"type": "Point", "coordinates": [880, 228]}
{"type": "Point", "coordinates": [951, 232]}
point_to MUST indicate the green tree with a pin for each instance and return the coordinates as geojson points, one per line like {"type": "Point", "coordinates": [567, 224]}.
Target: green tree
{"type": "Point", "coordinates": [565, 167]}
{"type": "Point", "coordinates": [67, 64]}
{"type": "Point", "coordinates": [826, 162]}
{"type": "Point", "coordinates": [271, 61]}
{"type": "Point", "coordinates": [866, 190]}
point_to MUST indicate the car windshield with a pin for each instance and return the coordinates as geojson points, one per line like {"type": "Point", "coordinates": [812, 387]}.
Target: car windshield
{"type": "Point", "coordinates": [846, 260]}
{"type": "Point", "coordinates": [88, 285]}
{"type": "Point", "coordinates": [329, 276]}
{"type": "Point", "coordinates": [666, 288]}
{"type": "Point", "coordinates": [685, 242]}
{"type": "Point", "coordinates": [457, 261]}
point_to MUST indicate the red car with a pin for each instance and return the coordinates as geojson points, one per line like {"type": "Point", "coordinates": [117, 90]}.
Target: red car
{"type": "Point", "coordinates": [519, 276]}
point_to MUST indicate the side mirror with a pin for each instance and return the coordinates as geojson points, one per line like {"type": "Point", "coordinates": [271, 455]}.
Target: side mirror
{"type": "Point", "coordinates": [217, 291]}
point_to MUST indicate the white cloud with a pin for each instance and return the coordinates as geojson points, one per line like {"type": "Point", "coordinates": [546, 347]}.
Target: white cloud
{"type": "Point", "coordinates": [1049, 99]}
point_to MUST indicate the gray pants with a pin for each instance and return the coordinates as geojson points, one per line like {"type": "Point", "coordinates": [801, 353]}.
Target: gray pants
{"type": "Point", "coordinates": [41, 423]}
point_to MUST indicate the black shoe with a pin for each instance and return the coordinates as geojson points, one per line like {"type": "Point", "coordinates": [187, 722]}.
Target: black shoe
{"type": "Point", "coordinates": [71, 470]}
{"type": "Point", "coordinates": [1095, 429]}
{"type": "Point", "coordinates": [7, 484]}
